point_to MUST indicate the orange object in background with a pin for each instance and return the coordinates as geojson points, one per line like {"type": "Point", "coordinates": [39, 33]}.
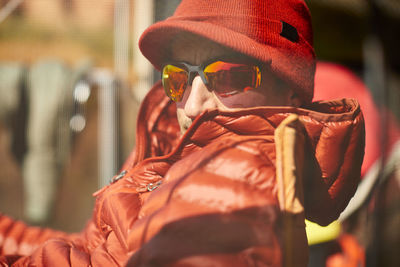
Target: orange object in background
{"type": "Point", "coordinates": [333, 81]}
{"type": "Point", "coordinates": [352, 255]}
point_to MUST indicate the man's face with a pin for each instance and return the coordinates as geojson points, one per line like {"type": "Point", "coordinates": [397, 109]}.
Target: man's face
{"type": "Point", "coordinates": [198, 98]}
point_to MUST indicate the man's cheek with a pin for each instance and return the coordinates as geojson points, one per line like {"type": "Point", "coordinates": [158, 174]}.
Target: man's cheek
{"type": "Point", "coordinates": [244, 100]}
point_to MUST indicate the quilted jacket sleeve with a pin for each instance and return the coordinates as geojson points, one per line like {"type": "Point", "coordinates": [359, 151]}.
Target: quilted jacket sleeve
{"type": "Point", "coordinates": [22, 245]}
{"type": "Point", "coordinates": [17, 239]}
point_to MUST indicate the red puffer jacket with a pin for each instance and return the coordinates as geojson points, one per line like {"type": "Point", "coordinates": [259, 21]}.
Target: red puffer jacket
{"type": "Point", "coordinates": [232, 191]}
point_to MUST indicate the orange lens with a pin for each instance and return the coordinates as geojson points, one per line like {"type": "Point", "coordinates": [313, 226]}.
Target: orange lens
{"type": "Point", "coordinates": [174, 80]}
{"type": "Point", "coordinates": [231, 78]}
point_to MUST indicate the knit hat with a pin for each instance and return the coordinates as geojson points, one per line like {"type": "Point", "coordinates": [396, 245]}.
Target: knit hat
{"type": "Point", "coordinates": [275, 32]}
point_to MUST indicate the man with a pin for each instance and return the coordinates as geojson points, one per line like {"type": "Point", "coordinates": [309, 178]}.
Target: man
{"type": "Point", "coordinates": [229, 182]}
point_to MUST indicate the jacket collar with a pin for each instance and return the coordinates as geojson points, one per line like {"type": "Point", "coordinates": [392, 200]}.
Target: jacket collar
{"type": "Point", "coordinates": [158, 130]}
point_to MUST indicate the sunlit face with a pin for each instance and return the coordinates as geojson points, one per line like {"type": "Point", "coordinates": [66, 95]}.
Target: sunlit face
{"type": "Point", "coordinates": [197, 98]}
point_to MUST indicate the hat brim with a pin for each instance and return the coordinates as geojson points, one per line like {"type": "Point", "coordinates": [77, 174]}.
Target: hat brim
{"type": "Point", "coordinates": [155, 41]}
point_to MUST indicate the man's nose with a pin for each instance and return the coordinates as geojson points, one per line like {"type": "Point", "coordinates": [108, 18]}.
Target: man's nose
{"type": "Point", "coordinates": [199, 99]}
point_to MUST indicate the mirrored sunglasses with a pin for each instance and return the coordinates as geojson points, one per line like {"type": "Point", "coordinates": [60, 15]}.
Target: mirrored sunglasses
{"type": "Point", "coordinates": [224, 78]}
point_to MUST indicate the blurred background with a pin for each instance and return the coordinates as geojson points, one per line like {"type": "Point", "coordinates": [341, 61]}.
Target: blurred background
{"type": "Point", "coordinates": [72, 78]}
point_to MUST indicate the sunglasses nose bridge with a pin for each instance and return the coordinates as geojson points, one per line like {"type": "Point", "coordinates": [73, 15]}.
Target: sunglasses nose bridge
{"type": "Point", "coordinates": [196, 70]}
{"type": "Point", "coordinates": [191, 77]}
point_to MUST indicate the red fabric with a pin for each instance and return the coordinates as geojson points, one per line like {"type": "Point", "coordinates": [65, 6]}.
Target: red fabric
{"type": "Point", "coordinates": [334, 81]}
{"type": "Point", "coordinates": [251, 27]}
{"type": "Point", "coordinates": [217, 202]}
{"type": "Point", "coordinates": [351, 255]}
{"type": "Point", "coordinates": [17, 239]}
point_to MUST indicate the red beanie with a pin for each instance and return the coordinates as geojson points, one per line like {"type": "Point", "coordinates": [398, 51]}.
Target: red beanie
{"type": "Point", "coordinates": [275, 32]}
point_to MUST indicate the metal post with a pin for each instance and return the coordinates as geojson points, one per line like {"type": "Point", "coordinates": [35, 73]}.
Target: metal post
{"type": "Point", "coordinates": [121, 38]}
{"type": "Point", "coordinates": [108, 94]}
{"type": "Point", "coordinates": [108, 125]}
{"type": "Point", "coordinates": [9, 8]}
{"type": "Point", "coordinates": [143, 17]}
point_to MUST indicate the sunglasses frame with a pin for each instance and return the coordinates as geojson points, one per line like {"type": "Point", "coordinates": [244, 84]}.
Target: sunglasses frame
{"type": "Point", "coordinates": [199, 69]}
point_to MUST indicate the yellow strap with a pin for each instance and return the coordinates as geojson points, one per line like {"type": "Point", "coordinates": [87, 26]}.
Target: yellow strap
{"type": "Point", "coordinates": [318, 234]}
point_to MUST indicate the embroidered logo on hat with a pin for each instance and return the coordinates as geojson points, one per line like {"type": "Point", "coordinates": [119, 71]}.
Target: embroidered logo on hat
{"type": "Point", "coordinates": [289, 32]}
